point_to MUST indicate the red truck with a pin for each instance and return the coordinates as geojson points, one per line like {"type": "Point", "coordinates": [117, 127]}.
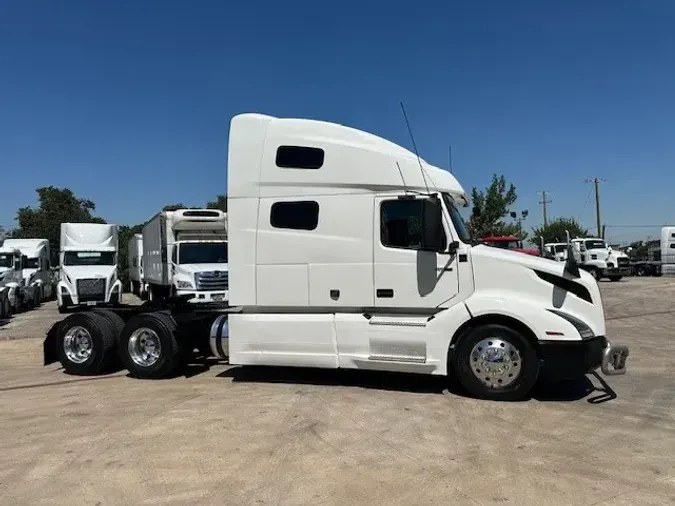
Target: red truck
{"type": "Point", "coordinates": [508, 242]}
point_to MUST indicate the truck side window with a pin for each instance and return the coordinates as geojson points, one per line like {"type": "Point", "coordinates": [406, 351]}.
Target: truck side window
{"type": "Point", "coordinates": [401, 223]}
{"type": "Point", "coordinates": [299, 157]}
{"type": "Point", "coordinates": [300, 215]}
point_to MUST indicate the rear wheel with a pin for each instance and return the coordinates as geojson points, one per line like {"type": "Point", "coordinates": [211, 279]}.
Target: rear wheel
{"type": "Point", "coordinates": [615, 278]}
{"type": "Point", "coordinates": [496, 362]}
{"type": "Point", "coordinates": [149, 346]}
{"type": "Point", "coordinates": [86, 341]}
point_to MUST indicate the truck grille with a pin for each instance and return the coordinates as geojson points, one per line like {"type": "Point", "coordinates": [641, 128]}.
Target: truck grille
{"type": "Point", "coordinates": [91, 290]}
{"type": "Point", "coordinates": [211, 281]}
{"type": "Point", "coordinates": [623, 262]}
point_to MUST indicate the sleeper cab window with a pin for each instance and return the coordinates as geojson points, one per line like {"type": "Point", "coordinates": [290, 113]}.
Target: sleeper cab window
{"type": "Point", "coordinates": [299, 157]}
{"type": "Point", "coordinates": [298, 215]}
{"type": "Point", "coordinates": [401, 223]}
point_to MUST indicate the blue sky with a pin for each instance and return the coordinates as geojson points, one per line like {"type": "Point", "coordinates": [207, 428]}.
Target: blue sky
{"type": "Point", "coordinates": [95, 94]}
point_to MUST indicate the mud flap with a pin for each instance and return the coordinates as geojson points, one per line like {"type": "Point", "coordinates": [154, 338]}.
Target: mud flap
{"type": "Point", "coordinates": [50, 345]}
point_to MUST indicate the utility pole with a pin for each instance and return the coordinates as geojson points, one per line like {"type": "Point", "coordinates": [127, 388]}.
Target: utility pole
{"type": "Point", "coordinates": [543, 202]}
{"type": "Point", "coordinates": [596, 182]}
{"type": "Point", "coordinates": [450, 157]}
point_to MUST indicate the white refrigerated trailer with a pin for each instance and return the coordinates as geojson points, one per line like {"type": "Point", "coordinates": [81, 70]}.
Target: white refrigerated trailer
{"type": "Point", "coordinates": [348, 251]}
{"type": "Point", "coordinates": [137, 283]}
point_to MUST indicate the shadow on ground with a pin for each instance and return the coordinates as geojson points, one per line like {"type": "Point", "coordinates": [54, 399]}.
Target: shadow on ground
{"type": "Point", "coordinates": [564, 391]}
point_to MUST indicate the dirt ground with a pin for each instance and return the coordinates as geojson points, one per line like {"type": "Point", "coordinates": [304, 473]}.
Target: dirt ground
{"type": "Point", "coordinates": [225, 435]}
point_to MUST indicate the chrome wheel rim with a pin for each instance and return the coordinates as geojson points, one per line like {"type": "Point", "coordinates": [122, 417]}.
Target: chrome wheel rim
{"type": "Point", "coordinates": [78, 345]}
{"type": "Point", "coordinates": [496, 363]}
{"type": "Point", "coordinates": [144, 347]}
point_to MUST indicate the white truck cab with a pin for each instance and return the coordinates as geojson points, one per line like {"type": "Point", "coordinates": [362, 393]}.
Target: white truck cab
{"type": "Point", "coordinates": [36, 269]}
{"type": "Point", "coordinates": [348, 251]}
{"type": "Point", "coordinates": [88, 266]}
{"type": "Point", "coordinates": [11, 281]}
{"type": "Point", "coordinates": [556, 250]}
{"type": "Point", "coordinates": [596, 257]}
{"type": "Point", "coordinates": [185, 253]}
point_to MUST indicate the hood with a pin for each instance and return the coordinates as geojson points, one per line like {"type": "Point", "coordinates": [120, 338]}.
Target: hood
{"type": "Point", "coordinates": [517, 257]}
{"type": "Point", "coordinates": [87, 271]}
{"type": "Point", "coordinates": [194, 268]}
{"type": "Point", "coordinates": [27, 273]}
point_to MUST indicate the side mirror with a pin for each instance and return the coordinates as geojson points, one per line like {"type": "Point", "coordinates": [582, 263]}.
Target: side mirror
{"type": "Point", "coordinates": [453, 247]}
{"type": "Point", "coordinates": [432, 225]}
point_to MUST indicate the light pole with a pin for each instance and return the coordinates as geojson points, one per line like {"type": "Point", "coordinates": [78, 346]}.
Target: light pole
{"type": "Point", "coordinates": [519, 220]}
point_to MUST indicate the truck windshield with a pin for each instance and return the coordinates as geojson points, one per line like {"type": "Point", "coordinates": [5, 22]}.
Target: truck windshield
{"type": "Point", "coordinates": [457, 220]}
{"type": "Point", "coordinates": [32, 263]}
{"type": "Point", "coordinates": [89, 258]}
{"type": "Point", "coordinates": [560, 248]}
{"type": "Point", "coordinates": [597, 244]}
{"type": "Point", "coordinates": [202, 253]}
{"type": "Point", "coordinates": [6, 260]}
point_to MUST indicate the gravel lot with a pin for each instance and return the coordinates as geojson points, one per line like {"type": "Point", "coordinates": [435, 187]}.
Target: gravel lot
{"type": "Point", "coordinates": [225, 435]}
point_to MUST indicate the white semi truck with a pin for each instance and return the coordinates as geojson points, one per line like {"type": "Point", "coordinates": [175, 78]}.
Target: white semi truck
{"type": "Point", "coordinates": [137, 284]}
{"type": "Point", "coordinates": [88, 266]}
{"type": "Point", "coordinates": [556, 251]}
{"type": "Point", "coordinates": [36, 269]}
{"type": "Point", "coordinates": [15, 294]}
{"type": "Point", "coordinates": [185, 255]}
{"type": "Point", "coordinates": [595, 256]}
{"type": "Point", "coordinates": [660, 256]}
{"type": "Point", "coordinates": [348, 251]}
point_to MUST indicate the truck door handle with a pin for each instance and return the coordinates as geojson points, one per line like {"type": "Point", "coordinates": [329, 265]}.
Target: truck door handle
{"type": "Point", "coordinates": [385, 293]}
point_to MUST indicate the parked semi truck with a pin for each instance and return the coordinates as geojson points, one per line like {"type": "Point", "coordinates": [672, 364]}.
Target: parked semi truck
{"type": "Point", "coordinates": [556, 250]}
{"type": "Point", "coordinates": [595, 256]}
{"type": "Point", "coordinates": [348, 251]}
{"type": "Point", "coordinates": [15, 295]}
{"type": "Point", "coordinates": [185, 254]}
{"type": "Point", "coordinates": [88, 266]}
{"type": "Point", "coordinates": [660, 256]}
{"type": "Point", "coordinates": [137, 283]}
{"type": "Point", "coordinates": [510, 242]}
{"type": "Point", "coordinates": [36, 271]}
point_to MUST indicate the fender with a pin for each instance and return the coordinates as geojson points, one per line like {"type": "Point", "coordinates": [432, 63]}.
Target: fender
{"type": "Point", "coordinates": [544, 325]}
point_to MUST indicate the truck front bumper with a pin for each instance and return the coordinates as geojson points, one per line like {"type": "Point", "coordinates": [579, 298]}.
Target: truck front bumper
{"type": "Point", "coordinates": [573, 359]}
{"type": "Point", "coordinates": [202, 296]}
{"type": "Point", "coordinates": [617, 271]}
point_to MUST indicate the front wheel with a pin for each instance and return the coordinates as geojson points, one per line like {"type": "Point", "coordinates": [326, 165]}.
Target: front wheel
{"type": "Point", "coordinates": [496, 362]}
{"type": "Point", "coordinates": [149, 346]}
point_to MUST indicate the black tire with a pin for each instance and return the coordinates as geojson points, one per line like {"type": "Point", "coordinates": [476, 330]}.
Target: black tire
{"type": "Point", "coordinates": [115, 320]}
{"type": "Point", "coordinates": [615, 278]}
{"type": "Point", "coordinates": [171, 353]}
{"type": "Point", "coordinates": [103, 341]}
{"type": "Point", "coordinates": [526, 377]}
{"type": "Point", "coordinates": [597, 275]}
{"type": "Point", "coordinates": [5, 309]}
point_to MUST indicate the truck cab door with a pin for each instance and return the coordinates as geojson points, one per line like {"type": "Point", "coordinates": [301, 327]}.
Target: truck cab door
{"type": "Point", "coordinates": [404, 275]}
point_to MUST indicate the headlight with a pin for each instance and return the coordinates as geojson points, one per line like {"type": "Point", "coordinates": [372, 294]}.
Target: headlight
{"type": "Point", "coordinates": [183, 284]}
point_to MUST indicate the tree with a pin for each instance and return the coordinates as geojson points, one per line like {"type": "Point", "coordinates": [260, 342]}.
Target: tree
{"type": "Point", "coordinates": [219, 203]}
{"type": "Point", "coordinates": [55, 206]}
{"type": "Point", "coordinates": [490, 207]}
{"type": "Point", "coordinates": [174, 207]}
{"type": "Point", "coordinates": [555, 231]}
